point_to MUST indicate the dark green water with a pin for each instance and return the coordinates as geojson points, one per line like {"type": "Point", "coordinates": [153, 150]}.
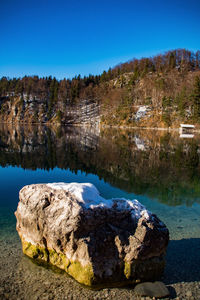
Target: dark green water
{"type": "Point", "coordinates": [158, 168]}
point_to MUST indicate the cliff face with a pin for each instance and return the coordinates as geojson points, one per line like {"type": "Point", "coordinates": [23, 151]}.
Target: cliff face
{"type": "Point", "coordinates": [27, 109]}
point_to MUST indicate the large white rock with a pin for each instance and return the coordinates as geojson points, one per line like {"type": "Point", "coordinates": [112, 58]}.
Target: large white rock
{"type": "Point", "coordinates": [97, 241]}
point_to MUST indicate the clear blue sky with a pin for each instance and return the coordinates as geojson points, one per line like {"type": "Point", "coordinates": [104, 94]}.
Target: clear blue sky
{"type": "Point", "coordinates": [65, 38]}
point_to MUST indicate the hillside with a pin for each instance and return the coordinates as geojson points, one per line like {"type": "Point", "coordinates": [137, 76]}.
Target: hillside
{"type": "Point", "coordinates": [161, 91]}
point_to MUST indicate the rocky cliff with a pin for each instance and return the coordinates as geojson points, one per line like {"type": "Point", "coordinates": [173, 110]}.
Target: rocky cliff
{"type": "Point", "coordinates": [28, 109]}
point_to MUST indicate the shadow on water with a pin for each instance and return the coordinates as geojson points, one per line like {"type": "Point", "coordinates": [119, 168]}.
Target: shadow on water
{"type": "Point", "coordinates": [183, 261]}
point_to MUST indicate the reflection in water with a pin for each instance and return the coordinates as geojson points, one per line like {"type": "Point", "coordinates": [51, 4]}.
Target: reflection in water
{"type": "Point", "coordinates": [186, 136]}
{"type": "Point", "coordinates": [153, 163]}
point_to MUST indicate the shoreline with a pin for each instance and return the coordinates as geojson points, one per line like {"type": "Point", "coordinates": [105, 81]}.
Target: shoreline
{"type": "Point", "coordinates": [100, 126]}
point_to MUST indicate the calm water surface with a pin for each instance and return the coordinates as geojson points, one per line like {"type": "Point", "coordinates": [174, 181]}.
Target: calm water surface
{"type": "Point", "coordinates": [158, 168]}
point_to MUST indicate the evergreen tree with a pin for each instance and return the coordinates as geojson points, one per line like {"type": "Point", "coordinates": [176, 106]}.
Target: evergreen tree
{"type": "Point", "coordinates": [19, 87]}
{"type": "Point", "coordinates": [109, 75]}
{"type": "Point", "coordinates": [182, 101]}
{"type": "Point", "coordinates": [196, 97]}
{"type": "Point", "coordinates": [103, 76]}
{"type": "Point", "coordinates": [172, 61]}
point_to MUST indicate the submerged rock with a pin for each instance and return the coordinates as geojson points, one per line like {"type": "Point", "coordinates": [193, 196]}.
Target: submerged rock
{"type": "Point", "coordinates": [96, 241]}
{"type": "Point", "coordinates": [152, 289]}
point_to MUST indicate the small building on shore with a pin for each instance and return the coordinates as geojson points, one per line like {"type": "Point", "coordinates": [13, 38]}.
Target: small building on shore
{"type": "Point", "coordinates": [186, 130]}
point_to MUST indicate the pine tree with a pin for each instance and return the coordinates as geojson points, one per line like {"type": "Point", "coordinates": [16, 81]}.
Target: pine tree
{"type": "Point", "coordinates": [182, 101]}
{"type": "Point", "coordinates": [172, 61]}
{"type": "Point", "coordinates": [196, 97]}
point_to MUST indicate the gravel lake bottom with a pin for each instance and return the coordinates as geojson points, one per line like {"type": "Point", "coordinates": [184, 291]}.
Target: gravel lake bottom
{"type": "Point", "coordinates": [21, 279]}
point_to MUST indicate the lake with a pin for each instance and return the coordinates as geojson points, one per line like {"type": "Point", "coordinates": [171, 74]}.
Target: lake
{"type": "Point", "coordinates": [159, 168]}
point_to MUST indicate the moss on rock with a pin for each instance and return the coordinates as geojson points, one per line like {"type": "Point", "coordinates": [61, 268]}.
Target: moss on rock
{"type": "Point", "coordinates": [83, 274]}
{"type": "Point", "coordinates": [127, 270]}
{"type": "Point", "coordinates": [131, 272]}
{"type": "Point", "coordinates": [35, 251]}
{"type": "Point", "coordinates": [58, 259]}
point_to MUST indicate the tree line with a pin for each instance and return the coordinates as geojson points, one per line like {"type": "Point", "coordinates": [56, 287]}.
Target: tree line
{"type": "Point", "coordinates": [69, 90]}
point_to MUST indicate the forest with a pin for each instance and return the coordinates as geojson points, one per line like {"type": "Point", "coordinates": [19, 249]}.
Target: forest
{"type": "Point", "coordinates": [168, 82]}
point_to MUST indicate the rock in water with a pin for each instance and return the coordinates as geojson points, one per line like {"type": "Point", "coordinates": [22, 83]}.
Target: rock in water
{"type": "Point", "coordinates": [96, 241]}
{"type": "Point", "coordinates": [152, 289]}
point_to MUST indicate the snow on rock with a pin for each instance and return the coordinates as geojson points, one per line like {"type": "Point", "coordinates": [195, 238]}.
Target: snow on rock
{"type": "Point", "coordinates": [141, 112]}
{"type": "Point", "coordinates": [88, 195]}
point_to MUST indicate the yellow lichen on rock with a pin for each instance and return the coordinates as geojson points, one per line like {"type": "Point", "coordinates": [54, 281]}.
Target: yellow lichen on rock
{"type": "Point", "coordinates": [35, 251]}
{"type": "Point", "coordinates": [83, 274]}
{"type": "Point", "coordinates": [58, 259]}
{"type": "Point", "coordinates": [127, 270]}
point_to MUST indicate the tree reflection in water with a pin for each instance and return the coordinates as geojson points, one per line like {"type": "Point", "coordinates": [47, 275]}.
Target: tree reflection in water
{"type": "Point", "coordinates": [148, 162]}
